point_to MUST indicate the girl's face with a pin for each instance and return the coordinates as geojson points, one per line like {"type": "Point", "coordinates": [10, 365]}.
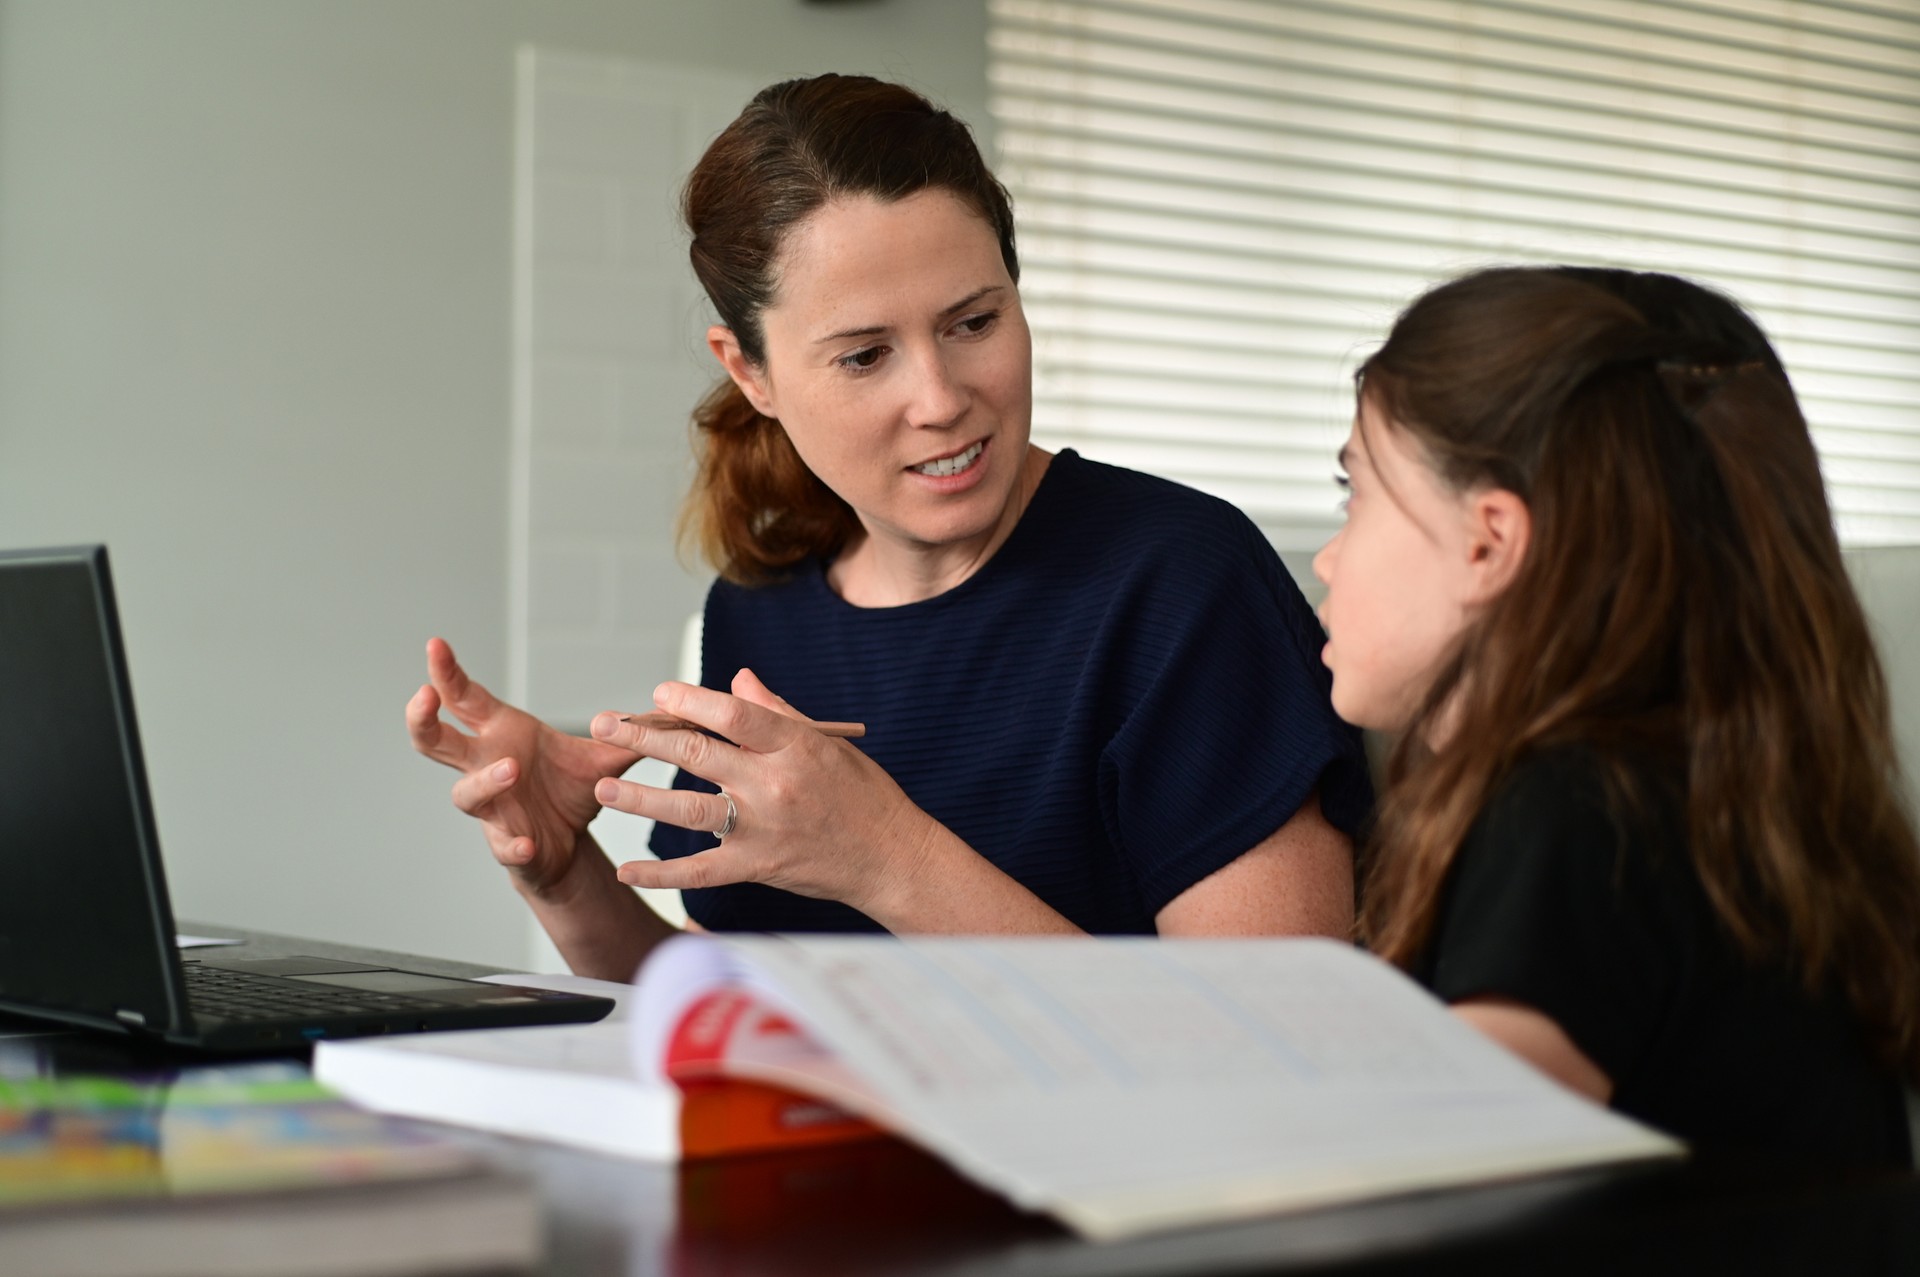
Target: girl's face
{"type": "Point", "coordinates": [1403, 575]}
{"type": "Point", "coordinates": [899, 363]}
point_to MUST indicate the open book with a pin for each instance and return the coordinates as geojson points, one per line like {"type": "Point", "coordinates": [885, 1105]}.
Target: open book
{"type": "Point", "coordinates": [1126, 1085]}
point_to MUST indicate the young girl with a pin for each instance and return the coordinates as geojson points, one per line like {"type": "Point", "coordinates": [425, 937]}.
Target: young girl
{"type": "Point", "coordinates": [1642, 821]}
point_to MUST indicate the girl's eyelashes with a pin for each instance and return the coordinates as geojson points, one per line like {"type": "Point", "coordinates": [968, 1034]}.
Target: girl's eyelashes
{"type": "Point", "coordinates": [1345, 485]}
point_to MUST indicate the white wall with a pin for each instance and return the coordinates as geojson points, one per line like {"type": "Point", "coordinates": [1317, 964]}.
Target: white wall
{"type": "Point", "coordinates": [255, 267]}
{"type": "Point", "coordinates": [609, 354]}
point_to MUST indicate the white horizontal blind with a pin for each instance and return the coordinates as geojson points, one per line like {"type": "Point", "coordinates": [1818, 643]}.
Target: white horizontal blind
{"type": "Point", "coordinates": [1223, 203]}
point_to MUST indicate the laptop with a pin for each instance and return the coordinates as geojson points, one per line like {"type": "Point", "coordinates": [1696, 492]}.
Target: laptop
{"type": "Point", "coordinates": [87, 934]}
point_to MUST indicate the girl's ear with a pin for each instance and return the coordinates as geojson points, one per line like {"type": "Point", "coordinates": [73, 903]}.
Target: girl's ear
{"type": "Point", "coordinates": [751, 379]}
{"type": "Point", "coordinates": [1499, 529]}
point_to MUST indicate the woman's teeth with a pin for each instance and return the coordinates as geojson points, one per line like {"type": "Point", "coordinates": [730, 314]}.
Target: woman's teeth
{"type": "Point", "coordinates": [954, 464]}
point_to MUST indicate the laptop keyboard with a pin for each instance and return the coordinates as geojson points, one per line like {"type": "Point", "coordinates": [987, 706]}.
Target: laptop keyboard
{"type": "Point", "coordinates": [246, 995]}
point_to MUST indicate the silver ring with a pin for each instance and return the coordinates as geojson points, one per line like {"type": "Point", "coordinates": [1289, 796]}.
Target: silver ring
{"type": "Point", "coordinates": [733, 815]}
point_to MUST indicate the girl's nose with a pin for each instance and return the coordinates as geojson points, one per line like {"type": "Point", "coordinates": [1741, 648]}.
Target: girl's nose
{"type": "Point", "coordinates": [1323, 560]}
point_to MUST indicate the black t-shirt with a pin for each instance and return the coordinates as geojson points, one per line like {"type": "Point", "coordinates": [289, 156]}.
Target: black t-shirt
{"type": "Point", "coordinates": [1596, 918]}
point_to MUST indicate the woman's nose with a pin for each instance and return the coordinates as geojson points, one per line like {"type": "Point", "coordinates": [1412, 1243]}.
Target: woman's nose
{"type": "Point", "coordinates": [939, 399]}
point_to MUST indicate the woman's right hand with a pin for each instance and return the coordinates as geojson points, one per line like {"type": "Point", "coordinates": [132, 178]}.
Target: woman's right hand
{"type": "Point", "coordinates": [529, 785]}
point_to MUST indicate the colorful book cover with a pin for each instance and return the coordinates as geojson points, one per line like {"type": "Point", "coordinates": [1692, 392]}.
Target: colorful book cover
{"type": "Point", "coordinates": [216, 1130]}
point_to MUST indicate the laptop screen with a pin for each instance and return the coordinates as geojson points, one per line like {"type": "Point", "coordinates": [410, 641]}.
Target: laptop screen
{"type": "Point", "coordinates": [85, 925]}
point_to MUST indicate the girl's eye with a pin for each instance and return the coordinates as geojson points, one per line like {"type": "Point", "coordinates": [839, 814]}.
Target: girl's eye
{"type": "Point", "coordinates": [861, 360]}
{"type": "Point", "coordinates": [974, 325]}
{"type": "Point", "coordinates": [1346, 491]}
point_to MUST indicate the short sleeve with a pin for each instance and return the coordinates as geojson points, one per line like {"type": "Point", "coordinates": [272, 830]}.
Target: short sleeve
{"type": "Point", "coordinates": [1557, 904]}
{"type": "Point", "coordinates": [1229, 726]}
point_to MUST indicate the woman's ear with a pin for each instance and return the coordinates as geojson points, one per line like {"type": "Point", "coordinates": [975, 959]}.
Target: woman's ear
{"type": "Point", "coordinates": [1500, 527]}
{"type": "Point", "coordinates": [751, 378]}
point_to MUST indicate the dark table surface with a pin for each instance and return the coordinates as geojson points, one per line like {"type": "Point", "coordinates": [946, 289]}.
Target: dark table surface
{"type": "Point", "coordinates": [885, 1208]}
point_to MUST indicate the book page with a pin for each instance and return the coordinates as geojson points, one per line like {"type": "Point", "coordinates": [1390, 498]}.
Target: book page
{"type": "Point", "coordinates": [1127, 1084]}
{"type": "Point", "coordinates": [978, 1018]}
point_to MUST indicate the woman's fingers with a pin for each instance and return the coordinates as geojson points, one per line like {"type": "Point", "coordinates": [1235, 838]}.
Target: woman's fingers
{"type": "Point", "coordinates": [430, 736]}
{"type": "Point", "coordinates": [654, 718]}
{"type": "Point", "coordinates": [748, 687]}
{"type": "Point", "coordinates": [755, 720]}
{"type": "Point", "coordinates": [688, 873]}
{"type": "Point", "coordinates": [465, 699]}
{"type": "Point", "coordinates": [684, 747]}
{"type": "Point", "coordinates": [509, 852]}
{"type": "Point", "coordinates": [750, 726]}
{"type": "Point", "coordinates": [475, 792]}
{"type": "Point", "coordinates": [683, 807]}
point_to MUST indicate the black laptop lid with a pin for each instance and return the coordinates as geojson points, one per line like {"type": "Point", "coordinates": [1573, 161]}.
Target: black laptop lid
{"type": "Point", "coordinates": [86, 930]}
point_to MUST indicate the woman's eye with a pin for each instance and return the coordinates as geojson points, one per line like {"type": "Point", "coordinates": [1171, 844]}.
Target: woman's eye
{"type": "Point", "coordinates": [974, 325]}
{"type": "Point", "coordinates": [861, 360]}
{"type": "Point", "coordinates": [1345, 485]}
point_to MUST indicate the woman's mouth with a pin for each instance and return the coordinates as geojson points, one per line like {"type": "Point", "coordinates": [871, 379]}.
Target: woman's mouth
{"type": "Point", "coordinates": [946, 467]}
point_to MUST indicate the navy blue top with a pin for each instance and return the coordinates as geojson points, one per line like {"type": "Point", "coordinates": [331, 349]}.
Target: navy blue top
{"type": "Point", "coordinates": [1127, 696]}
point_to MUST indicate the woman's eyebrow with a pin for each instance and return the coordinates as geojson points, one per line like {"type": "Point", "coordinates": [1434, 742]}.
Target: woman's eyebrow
{"type": "Point", "coordinates": [872, 330]}
{"type": "Point", "coordinates": [970, 299]}
{"type": "Point", "coordinates": [875, 330]}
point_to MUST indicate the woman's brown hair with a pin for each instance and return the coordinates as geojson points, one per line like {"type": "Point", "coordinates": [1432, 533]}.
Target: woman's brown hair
{"type": "Point", "coordinates": [1682, 601]}
{"type": "Point", "coordinates": [755, 508]}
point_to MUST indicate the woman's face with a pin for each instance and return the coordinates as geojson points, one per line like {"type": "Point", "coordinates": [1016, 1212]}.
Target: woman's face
{"type": "Point", "coordinates": [1402, 575]}
{"type": "Point", "coordinates": [898, 361]}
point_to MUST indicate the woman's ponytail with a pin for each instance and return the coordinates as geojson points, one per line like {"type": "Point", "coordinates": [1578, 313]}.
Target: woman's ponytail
{"type": "Point", "coordinates": [756, 509]}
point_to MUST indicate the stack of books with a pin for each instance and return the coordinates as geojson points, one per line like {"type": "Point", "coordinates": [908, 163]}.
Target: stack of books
{"type": "Point", "coordinates": [251, 1170]}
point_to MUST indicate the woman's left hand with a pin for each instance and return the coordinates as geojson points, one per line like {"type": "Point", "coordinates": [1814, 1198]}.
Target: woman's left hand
{"type": "Point", "coordinates": [813, 815]}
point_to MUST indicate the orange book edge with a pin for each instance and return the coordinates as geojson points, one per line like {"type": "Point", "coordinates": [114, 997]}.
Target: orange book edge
{"type": "Point", "coordinates": [722, 1116]}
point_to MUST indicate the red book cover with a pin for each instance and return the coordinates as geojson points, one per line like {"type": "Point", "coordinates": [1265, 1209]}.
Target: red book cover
{"type": "Point", "coordinates": [721, 1115]}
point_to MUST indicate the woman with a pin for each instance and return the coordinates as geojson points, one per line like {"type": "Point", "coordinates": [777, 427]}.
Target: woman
{"type": "Point", "coordinates": [1090, 695]}
{"type": "Point", "coordinates": [1642, 822]}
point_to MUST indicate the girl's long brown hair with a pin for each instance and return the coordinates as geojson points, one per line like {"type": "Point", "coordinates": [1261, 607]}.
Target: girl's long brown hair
{"type": "Point", "coordinates": [755, 508]}
{"type": "Point", "coordinates": [1683, 600]}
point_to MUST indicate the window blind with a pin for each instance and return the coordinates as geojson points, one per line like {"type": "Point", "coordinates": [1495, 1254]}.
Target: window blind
{"type": "Point", "coordinates": [1223, 204]}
